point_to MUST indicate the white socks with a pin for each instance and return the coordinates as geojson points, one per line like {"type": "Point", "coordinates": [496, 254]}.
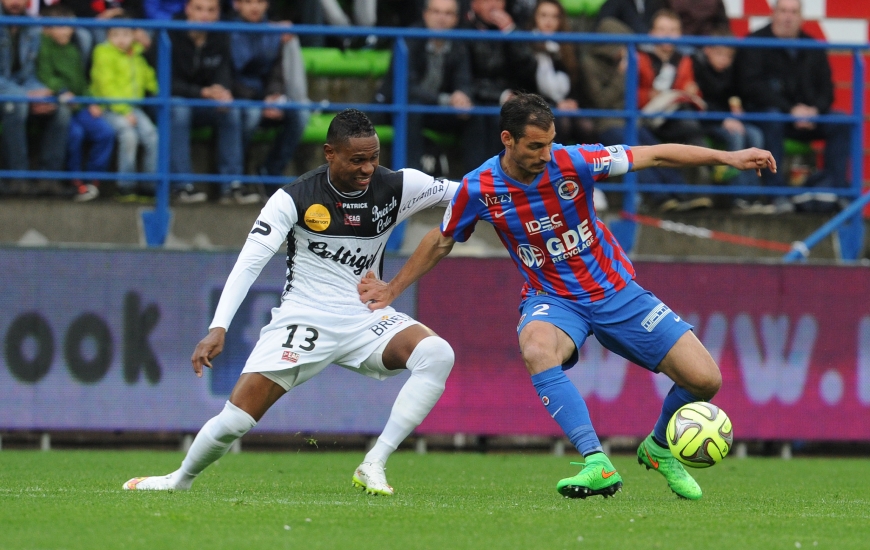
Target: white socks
{"type": "Point", "coordinates": [212, 442]}
{"type": "Point", "coordinates": [430, 364]}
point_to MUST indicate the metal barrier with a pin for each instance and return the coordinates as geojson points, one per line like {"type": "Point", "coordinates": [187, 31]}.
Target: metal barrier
{"type": "Point", "coordinates": [156, 222]}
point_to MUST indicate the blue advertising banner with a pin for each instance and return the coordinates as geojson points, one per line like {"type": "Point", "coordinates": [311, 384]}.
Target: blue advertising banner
{"type": "Point", "coordinates": [102, 339]}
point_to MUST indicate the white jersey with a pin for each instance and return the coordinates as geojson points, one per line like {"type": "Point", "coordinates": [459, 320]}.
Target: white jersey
{"type": "Point", "coordinates": [332, 238]}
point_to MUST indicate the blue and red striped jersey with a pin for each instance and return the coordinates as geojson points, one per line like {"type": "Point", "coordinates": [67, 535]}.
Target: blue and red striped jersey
{"type": "Point", "coordinates": [549, 226]}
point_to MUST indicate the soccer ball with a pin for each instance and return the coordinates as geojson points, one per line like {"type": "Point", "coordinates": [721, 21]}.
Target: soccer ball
{"type": "Point", "coordinates": [700, 434]}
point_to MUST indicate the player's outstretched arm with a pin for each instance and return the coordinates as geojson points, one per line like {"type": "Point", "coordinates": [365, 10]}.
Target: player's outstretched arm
{"type": "Point", "coordinates": [207, 349]}
{"type": "Point", "coordinates": [674, 155]}
{"type": "Point", "coordinates": [378, 294]}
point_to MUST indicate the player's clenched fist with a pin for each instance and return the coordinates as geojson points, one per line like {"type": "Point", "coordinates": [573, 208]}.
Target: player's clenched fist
{"type": "Point", "coordinates": [207, 349]}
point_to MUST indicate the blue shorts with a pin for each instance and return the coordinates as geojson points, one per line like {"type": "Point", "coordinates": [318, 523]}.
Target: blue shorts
{"type": "Point", "coordinates": [633, 323]}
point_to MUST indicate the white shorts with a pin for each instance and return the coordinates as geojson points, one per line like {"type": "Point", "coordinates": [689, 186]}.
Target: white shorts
{"type": "Point", "coordinates": [300, 342]}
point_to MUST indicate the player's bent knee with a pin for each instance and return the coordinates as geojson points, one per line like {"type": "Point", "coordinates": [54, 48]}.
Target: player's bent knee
{"type": "Point", "coordinates": [432, 357]}
{"type": "Point", "coordinates": [231, 424]}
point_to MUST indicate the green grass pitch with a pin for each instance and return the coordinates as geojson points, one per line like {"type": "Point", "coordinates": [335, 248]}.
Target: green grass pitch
{"type": "Point", "coordinates": [73, 499]}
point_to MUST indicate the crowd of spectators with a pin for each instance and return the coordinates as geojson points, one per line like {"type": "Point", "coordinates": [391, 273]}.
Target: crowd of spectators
{"type": "Point", "coordinates": [62, 63]}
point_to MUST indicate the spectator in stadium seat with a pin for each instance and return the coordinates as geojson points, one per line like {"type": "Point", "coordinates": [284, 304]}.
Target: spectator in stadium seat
{"type": "Point", "coordinates": [700, 17]}
{"type": "Point", "coordinates": [19, 47]}
{"type": "Point", "coordinates": [202, 68]}
{"type": "Point", "coordinates": [439, 73]}
{"type": "Point", "coordinates": [163, 9]}
{"type": "Point", "coordinates": [558, 72]}
{"type": "Point", "coordinates": [604, 67]}
{"type": "Point", "coordinates": [61, 67]}
{"type": "Point", "coordinates": [637, 14]}
{"type": "Point", "coordinates": [103, 9]}
{"type": "Point", "coordinates": [715, 75]}
{"type": "Point", "coordinates": [797, 82]}
{"type": "Point", "coordinates": [498, 69]}
{"type": "Point", "coordinates": [120, 71]}
{"type": "Point", "coordinates": [258, 63]}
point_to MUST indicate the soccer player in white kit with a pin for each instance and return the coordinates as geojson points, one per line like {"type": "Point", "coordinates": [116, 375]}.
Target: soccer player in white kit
{"type": "Point", "coordinates": [336, 220]}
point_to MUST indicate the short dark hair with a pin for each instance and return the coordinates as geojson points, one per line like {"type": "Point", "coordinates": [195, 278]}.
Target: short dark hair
{"type": "Point", "coordinates": [57, 10]}
{"type": "Point", "coordinates": [522, 110]}
{"type": "Point", "coordinates": [350, 123]}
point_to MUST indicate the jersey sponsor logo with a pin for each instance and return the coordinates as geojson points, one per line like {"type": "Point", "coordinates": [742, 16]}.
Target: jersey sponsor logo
{"type": "Point", "coordinates": [436, 187]}
{"type": "Point", "coordinates": [568, 189]}
{"type": "Point", "coordinates": [545, 400]}
{"type": "Point", "coordinates": [654, 317]}
{"type": "Point", "coordinates": [317, 217]}
{"type": "Point", "coordinates": [344, 256]}
{"type": "Point", "coordinates": [351, 219]}
{"type": "Point", "coordinates": [547, 223]}
{"type": "Point", "coordinates": [261, 228]}
{"type": "Point", "coordinates": [389, 321]}
{"type": "Point", "coordinates": [352, 205]}
{"type": "Point", "coordinates": [600, 164]}
{"type": "Point", "coordinates": [290, 356]}
{"type": "Point", "coordinates": [531, 255]}
{"type": "Point", "coordinates": [491, 200]}
{"type": "Point", "coordinates": [571, 242]}
{"type": "Point", "coordinates": [381, 215]}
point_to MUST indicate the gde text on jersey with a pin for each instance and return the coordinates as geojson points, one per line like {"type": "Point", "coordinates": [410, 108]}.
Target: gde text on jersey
{"type": "Point", "coordinates": [571, 242]}
{"type": "Point", "coordinates": [345, 256]}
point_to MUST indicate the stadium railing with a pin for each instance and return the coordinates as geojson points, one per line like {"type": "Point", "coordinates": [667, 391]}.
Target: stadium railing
{"type": "Point", "coordinates": [848, 222]}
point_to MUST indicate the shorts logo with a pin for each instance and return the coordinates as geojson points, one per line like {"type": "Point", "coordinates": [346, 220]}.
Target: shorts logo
{"type": "Point", "coordinates": [447, 214]}
{"type": "Point", "coordinates": [545, 400]}
{"type": "Point", "coordinates": [568, 189]}
{"type": "Point", "coordinates": [290, 356]}
{"type": "Point", "coordinates": [523, 318]}
{"type": "Point", "coordinates": [531, 255]}
{"type": "Point", "coordinates": [317, 217]}
{"type": "Point", "coordinates": [655, 317]}
{"type": "Point", "coordinates": [389, 321]}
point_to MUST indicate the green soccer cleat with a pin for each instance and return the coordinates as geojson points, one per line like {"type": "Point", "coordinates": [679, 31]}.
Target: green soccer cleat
{"type": "Point", "coordinates": [598, 477]}
{"type": "Point", "coordinates": [652, 455]}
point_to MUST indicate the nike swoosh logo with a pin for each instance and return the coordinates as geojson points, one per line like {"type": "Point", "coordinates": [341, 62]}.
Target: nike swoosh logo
{"type": "Point", "coordinates": [677, 318]}
{"type": "Point", "coordinates": [557, 411]}
{"type": "Point", "coordinates": [655, 463]}
{"type": "Point", "coordinates": [606, 474]}
{"type": "Point", "coordinates": [499, 214]}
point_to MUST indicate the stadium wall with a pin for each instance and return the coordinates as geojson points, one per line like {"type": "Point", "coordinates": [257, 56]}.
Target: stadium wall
{"type": "Point", "coordinates": [101, 340]}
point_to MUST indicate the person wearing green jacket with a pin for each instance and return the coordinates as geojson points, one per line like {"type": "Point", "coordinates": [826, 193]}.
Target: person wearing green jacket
{"type": "Point", "coordinates": [119, 71]}
{"type": "Point", "coordinates": [60, 67]}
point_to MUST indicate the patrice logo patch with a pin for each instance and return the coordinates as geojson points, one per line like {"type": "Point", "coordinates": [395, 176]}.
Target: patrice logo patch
{"type": "Point", "coordinates": [290, 356]}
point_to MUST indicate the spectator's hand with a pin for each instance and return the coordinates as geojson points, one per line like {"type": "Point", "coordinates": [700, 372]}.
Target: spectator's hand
{"type": "Point", "coordinates": [567, 105]}
{"type": "Point", "coordinates": [286, 37]}
{"type": "Point", "coordinates": [131, 118]}
{"type": "Point", "coordinates": [623, 61]}
{"type": "Point", "coordinates": [272, 113]}
{"type": "Point", "coordinates": [459, 100]}
{"type": "Point", "coordinates": [207, 349]}
{"type": "Point", "coordinates": [41, 108]}
{"type": "Point", "coordinates": [66, 97]}
{"type": "Point", "coordinates": [733, 126]}
{"type": "Point", "coordinates": [141, 36]}
{"type": "Point", "coordinates": [692, 89]}
{"type": "Point", "coordinates": [109, 13]}
{"type": "Point", "coordinates": [498, 18]}
{"type": "Point", "coordinates": [217, 93]}
{"type": "Point", "coordinates": [802, 110]}
{"type": "Point", "coordinates": [95, 110]}
{"type": "Point", "coordinates": [749, 159]}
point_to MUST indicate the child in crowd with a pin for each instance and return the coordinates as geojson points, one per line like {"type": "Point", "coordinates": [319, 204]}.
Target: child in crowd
{"type": "Point", "coordinates": [120, 71]}
{"type": "Point", "coordinates": [715, 76]}
{"type": "Point", "coordinates": [60, 67]}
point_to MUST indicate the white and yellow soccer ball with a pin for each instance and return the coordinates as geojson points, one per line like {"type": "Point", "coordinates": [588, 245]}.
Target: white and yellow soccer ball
{"type": "Point", "coordinates": [700, 434]}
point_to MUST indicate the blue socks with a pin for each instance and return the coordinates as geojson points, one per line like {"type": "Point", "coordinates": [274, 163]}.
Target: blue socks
{"type": "Point", "coordinates": [566, 406]}
{"type": "Point", "coordinates": [675, 399]}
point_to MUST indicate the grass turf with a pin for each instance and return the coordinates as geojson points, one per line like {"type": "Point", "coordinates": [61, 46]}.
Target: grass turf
{"type": "Point", "coordinates": [73, 499]}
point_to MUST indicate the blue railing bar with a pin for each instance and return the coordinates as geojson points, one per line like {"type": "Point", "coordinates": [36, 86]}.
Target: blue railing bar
{"type": "Point", "coordinates": [400, 99]}
{"type": "Point", "coordinates": [137, 176]}
{"type": "Point", "coordinates": [411, 33]}
{"type": "Point", "coordinates": [801, 249]}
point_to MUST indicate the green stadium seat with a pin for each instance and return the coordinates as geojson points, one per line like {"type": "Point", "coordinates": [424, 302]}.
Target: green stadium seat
{"type": "Point", "coordinates": [348, 63]}
{"type": "Point", "coordinates": [582, 8]}
{"type": "Point", "coordinates": [318, 124]}
{"type": "Point", "coordinates": [797, 147]}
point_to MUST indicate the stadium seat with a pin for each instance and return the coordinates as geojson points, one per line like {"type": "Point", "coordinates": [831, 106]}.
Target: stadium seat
{"type": "Point", "coordinates": [582, 8]}
{"type": "Point", "coordinates": [347, 63]}
{"type": "Point", "coordinates": [318, 124]}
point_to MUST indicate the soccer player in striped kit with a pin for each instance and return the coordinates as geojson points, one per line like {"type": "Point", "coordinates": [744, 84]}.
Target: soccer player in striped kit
{"type": "Point", "coordinates": [538, 196]}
